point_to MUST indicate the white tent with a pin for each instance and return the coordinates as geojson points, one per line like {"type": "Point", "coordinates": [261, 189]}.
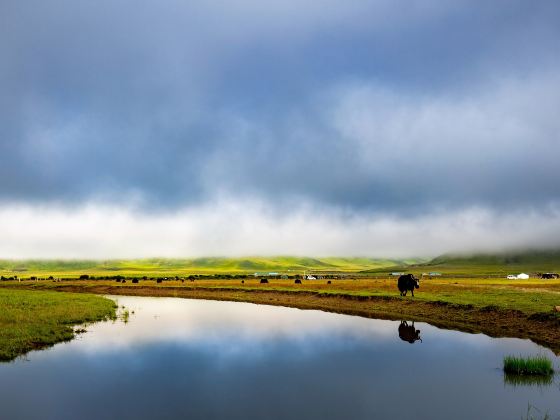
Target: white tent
{"type": "Point", "coordinates": [523, 276]}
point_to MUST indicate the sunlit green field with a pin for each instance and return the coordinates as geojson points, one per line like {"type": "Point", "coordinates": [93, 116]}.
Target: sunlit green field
{"type": "Point", "coordinates": [491, 265]}
{"type": "Point", "coordinates": [499, 265]}
{"type": "Point", "coordinates": [173, 267]}
{"type": "Point", "coordinates": [32, 320]}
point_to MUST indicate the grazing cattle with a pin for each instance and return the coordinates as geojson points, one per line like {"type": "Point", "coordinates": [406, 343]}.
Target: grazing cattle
{"type": "Point", "coordinates": [329, 282]}
{"type": "Point", "coordinates": [134, 280]}
{"type": "Point", "coordinates": [408, 282]}
{"type": "Point", "coordinates": [159, 280]}
{"type": "Point", "coordinates": [549, 276]}
{"type": "Point", "coordinates": [242, 281]}
{"type": "Point", "coordinates": [408, 332]}
{"type": "Point", "coordinates": [84, 277]}
{"type": "Point", "coordinates": [264, 281]}
{"type": "Point", "coordinates": [298, 281]}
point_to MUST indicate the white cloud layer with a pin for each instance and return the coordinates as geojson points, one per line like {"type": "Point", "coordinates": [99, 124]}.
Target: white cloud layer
{"type": "Point", "coordinates": [233, 228]}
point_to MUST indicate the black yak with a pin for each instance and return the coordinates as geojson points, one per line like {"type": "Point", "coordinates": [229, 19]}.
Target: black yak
{"type": "Point", "coordinates": [408, 332]}
{"type": "Point", "coordinates": [298, 281]}
{"type": "Point", "coordinates": [408, 282]}
{"type": "Point", "coordinates": [264, 281]}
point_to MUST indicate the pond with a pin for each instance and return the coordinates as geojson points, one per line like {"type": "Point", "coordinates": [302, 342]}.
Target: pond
{"type": "Point", "coordinates": [181, 358]}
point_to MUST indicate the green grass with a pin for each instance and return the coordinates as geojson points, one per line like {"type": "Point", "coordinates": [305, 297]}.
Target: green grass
{"type": "Point", "coordinates": [498, 264]}
{"type": "Point", "coordinates": [476, 265]}
{"type": "Point", "coordinates": [536, 365]}
{"type": "Point", "coordinates": [35, 319]}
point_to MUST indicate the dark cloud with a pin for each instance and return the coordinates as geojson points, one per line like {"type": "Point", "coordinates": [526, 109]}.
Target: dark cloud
{"type": "Point", "coordinates": [361, 105]}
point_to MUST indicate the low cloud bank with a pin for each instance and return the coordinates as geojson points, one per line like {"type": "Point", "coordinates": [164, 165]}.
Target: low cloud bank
{"type": "Point", "coordinates": [233, 228]}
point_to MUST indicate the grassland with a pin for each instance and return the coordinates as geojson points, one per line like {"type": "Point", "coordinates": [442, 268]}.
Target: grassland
{"type": "Point", "coordinates": [480, 265]}
{"type": "Point", "coordinates": [180, 267]}
{"type": "Point", "coordinates": [31, 321]}
{"type": "Point", "coordinates": [477, 265]}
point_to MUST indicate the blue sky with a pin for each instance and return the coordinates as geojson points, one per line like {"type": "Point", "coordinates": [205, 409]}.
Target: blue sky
{"type": "Point", "coordinates": [244, 127]}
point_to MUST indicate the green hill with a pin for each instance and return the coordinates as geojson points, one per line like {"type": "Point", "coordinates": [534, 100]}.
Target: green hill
{"type": "Point", "coordinates": [517, 261]}
{"type": "Point", "coordinates": [207, 265]}
{"type": "Point", "coordinates": [456, 264]}
{"type": "Point", "coordinates": [513, 262]}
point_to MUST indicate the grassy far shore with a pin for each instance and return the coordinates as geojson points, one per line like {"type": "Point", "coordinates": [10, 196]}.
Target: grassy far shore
{"type": "Point", "coordinates": [30, 321]}
{"type": "Point", "coordinates": [497, 307]}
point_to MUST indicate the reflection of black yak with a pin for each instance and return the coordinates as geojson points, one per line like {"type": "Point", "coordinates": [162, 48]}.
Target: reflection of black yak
{"type": "Point", "coordinates": [408, 282]}
{"type": "Point", "coordinates": [409, 332]}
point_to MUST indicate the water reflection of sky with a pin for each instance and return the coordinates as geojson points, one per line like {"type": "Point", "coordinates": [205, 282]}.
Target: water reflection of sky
{"type": "Point", "coordinates": [207, 359]}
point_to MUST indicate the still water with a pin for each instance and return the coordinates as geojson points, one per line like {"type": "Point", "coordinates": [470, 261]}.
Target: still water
{"type": "Point", "coordinates": [180, 358]}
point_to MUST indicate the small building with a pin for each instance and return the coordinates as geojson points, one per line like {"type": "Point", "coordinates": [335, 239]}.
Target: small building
{"type": "Point", "coordinates": [522, 276]}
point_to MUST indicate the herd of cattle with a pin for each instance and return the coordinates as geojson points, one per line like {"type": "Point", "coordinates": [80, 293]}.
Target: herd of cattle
{"type": "Point", "coordinates": [405, 283]}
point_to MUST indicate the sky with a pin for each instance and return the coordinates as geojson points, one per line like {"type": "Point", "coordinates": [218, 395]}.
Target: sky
{"type": "Point", "coordinates": [390, 128]}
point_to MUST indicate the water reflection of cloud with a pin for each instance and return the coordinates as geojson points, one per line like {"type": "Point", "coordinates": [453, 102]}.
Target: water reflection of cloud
{"type": "Point", "coordinates": [232, 328]}
{"type": "Point", "coordinates": [226, 325]}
